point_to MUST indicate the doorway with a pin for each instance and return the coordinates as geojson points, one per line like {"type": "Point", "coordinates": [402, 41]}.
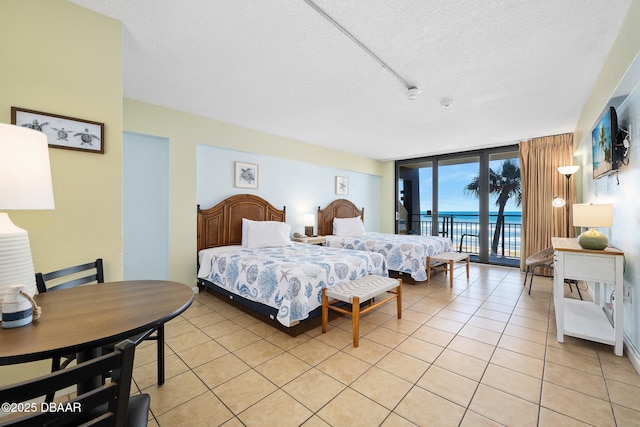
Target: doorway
{"type": "Point", "coordinates": [473, 198]}
{"type": "Point", "coordinates": [145, 207]}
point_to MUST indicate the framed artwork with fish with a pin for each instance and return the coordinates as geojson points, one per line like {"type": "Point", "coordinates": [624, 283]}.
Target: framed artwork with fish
{"type": "Point", "coordinates": [62, 131]}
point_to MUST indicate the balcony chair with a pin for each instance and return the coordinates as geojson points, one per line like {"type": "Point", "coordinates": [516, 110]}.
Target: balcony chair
{"type": "Point", "coordinates": [109, 404]}
{"type": "Point", "coordinates": [544, 259]}
{"type": "Point", "coordinates": [92, 273]}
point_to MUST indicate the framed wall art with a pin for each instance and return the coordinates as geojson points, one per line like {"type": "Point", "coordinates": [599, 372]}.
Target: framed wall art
{"type": "Point", "coordinates": [246, 175]}
{"type": "Point", "coordinates": [62, 131]}
{"type": "Point", "coordinates": [342, 185]}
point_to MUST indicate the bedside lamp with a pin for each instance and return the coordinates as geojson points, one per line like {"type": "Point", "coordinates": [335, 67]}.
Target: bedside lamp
{"type": "Point", "coordinates": [25, 184]}
{"type": "Point", "coordinates": [590, 215]}
{"type": "Point", "coordinates": [309, 222]}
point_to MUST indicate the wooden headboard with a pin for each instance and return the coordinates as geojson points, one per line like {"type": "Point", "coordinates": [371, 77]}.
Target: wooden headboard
{"type": "Point", "coordinates": [221, 225]}
{"type": "Point", "coordinates": [341, 208]}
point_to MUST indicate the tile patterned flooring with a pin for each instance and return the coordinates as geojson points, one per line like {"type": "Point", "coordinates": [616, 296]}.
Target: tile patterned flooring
{"type": "Point", "coordinates": [481, 354]}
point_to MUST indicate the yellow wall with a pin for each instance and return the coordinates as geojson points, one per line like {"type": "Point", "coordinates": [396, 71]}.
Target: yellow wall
{"type": "Point", "coordinates": [63, 59]}
{"type": "Point", "coordinates": [186, 131]}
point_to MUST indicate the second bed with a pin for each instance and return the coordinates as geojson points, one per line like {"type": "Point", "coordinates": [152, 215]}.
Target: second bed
{"type": "Point", "coordinates": [404, 253]}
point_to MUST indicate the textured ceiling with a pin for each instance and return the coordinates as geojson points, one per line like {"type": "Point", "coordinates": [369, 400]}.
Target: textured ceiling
{"type": "Point", "coordinates": [515, 69]}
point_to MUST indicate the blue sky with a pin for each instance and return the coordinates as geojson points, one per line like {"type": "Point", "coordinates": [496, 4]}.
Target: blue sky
{"type": "Point", "coordinates": [452, 180]}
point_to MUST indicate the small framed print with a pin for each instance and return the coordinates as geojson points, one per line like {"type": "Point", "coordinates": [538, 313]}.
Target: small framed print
{"type": "Point", "coordinates": [342, 185]}
{"type": "Point", "coordinates": [246, 175]}
{"type": "Point", "coordinates": [62, 131]}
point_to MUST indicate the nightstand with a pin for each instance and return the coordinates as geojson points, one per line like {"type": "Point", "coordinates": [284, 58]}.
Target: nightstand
{"type": "Point", "coordinates": [313, 240]}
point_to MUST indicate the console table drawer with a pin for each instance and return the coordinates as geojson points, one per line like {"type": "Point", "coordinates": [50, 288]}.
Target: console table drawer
{"type": "Point", "coordinates": [590, 267]}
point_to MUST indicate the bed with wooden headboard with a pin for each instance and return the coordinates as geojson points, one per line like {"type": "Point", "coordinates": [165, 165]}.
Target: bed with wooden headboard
{"type": "Point", "coordinates": [340, 208]}
{"type": "Point", "coordinates": [405, 254]}
{"type": "Point", "coordinates": [221, 225]}
{"type": "Point", "coordinates": [279, 282]}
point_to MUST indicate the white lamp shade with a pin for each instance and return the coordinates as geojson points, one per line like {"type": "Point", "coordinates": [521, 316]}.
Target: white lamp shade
{"type": "Point", "coordinates": [568, 170]}
{"type": "Point", "coordinates": [25, 174]}
{"type": "Point", "coordinates": [309, 220]}
{"type": "Point", "coordinates": [590, 215]}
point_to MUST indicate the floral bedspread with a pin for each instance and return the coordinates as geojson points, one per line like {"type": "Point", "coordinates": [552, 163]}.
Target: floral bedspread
{"type": "Point", "coordinates": [403, 252]}
{"type": "Point", "coordinates": [288, 278]}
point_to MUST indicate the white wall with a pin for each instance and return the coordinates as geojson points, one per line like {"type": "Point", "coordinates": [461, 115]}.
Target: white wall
{"type": "Point", "coordinates": [299, 186]}
{"type": "Point", "coordinates": [622, 190]}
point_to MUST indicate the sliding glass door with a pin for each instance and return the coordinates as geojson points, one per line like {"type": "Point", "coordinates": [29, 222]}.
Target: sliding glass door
{"type": "Point", "coordinates": [473, 198]}
{"type": "Point", "coordinates": [458, 207]}
{"type": "Point", "coordinates": [505, 203]}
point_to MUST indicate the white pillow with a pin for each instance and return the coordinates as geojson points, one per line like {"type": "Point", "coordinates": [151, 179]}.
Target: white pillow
{"type": "Point", "coordinates": [348, 227]}
{"type": "Point", "coordinates": [245, 222]}
{"type": "Point", "coordinates": [263, 234]}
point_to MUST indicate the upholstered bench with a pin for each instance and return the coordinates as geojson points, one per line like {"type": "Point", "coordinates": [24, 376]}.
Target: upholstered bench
{"type": "Point", "coordinates": [353, 292]}
{"type": "Point", "coordinates": [445, 261]}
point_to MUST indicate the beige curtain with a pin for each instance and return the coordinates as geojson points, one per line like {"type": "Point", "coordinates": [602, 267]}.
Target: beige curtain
{"type": "Point", "coordinates": [541, 182]}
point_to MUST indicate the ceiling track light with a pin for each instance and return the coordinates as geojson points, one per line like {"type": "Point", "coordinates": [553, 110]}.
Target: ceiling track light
{"type": "Point", "coordinates": [412, 91]}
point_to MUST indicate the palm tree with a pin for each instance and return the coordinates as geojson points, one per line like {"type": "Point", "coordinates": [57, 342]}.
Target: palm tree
{"type": "Point", "coordinates": [602, 143]}
{"type": "Point", "coordinates": [506, 184]}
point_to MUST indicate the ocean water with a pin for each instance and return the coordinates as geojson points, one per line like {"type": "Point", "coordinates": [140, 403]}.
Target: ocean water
{"type": "Point", "coordinates": [510, 217]}
{"type": "Point", "coordinates": [468, 223]}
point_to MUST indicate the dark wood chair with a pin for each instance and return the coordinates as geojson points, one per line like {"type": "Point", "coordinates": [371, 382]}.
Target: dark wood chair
{"type": "Point", "coordinates": [83, 274]}
{"type": "Point", "coordinates": [92, 272]}
{"type": "Point", "coordinates": [108, 405]}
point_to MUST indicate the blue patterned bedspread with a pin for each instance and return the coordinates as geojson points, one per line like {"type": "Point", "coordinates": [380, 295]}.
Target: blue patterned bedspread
{"type": "Point", "coordinates": [404, 252]}
{"type": "Point", "coordinates": [288, 278]}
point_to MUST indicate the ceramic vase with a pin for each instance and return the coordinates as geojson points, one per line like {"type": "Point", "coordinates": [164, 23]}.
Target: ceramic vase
{"type": "Point", "coordinates": [17, 309]}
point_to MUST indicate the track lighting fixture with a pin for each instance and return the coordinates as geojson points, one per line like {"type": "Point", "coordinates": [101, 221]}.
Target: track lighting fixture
{"type": "Point", "coordinates": [412, 91]}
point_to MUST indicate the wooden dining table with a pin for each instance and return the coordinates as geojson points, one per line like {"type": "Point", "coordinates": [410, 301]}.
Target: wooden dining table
{"type": "Point", "coordinates": [82, 319]}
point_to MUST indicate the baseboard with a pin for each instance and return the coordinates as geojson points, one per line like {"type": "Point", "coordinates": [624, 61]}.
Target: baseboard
{"type": "Point", "coordinates": [632, 354]}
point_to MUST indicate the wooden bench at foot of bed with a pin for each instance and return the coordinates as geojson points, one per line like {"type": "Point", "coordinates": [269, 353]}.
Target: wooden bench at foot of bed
{"type": "Point", "coordinates": [359, 290]}
{"type": "Point", "coordinates": [445, 261]}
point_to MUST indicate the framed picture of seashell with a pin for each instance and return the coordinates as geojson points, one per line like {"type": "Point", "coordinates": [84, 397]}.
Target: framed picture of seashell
{"type": "Point", "coordinates": [246, 175]}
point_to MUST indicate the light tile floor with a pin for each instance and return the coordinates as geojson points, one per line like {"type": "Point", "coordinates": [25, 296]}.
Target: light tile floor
{"type": "Point", "coordinates": [482, 354]}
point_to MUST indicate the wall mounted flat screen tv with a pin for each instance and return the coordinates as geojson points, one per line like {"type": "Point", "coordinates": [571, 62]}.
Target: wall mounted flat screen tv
{"type": "Point", "coordinates": [604, 138]}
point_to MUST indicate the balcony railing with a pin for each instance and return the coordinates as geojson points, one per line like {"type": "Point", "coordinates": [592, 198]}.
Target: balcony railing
{"type": "Point", "coordinates": [465, 235]}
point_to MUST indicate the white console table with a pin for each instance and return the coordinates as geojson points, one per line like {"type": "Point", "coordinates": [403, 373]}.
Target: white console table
{"type": "Point", "coordinates": [585, 319]}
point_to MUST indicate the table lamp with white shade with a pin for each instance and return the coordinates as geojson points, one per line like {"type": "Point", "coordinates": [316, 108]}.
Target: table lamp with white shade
{"type": "Point", "coordinates": [309, 222]}
{"type": "Point", "coordinates": [592, 215]}
{"type": "Point", "coordinates": [25, 184]}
